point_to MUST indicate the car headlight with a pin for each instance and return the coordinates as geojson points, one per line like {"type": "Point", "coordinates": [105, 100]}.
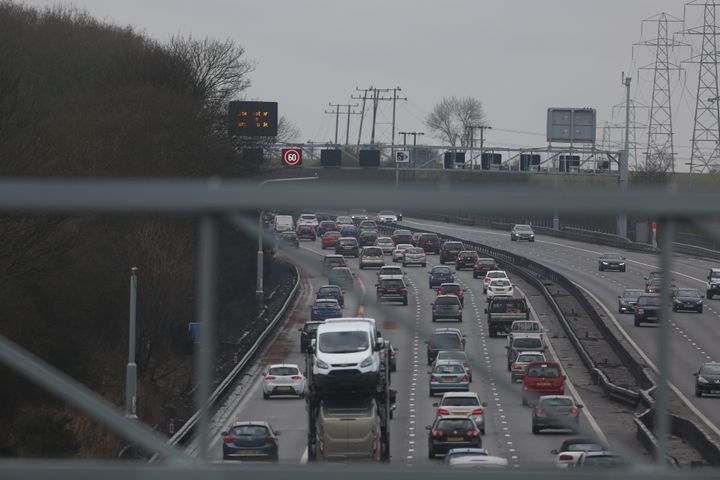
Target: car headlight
{"type": "Point", "coordinates": [640, 311]}
{"type": "Point", "coordinates": [702, 379]}
{"type": "Point", "coordinates": [622, 264]}
{"type": "Point", "coordinates": [604, 263]}
{"type": "Point", "coordinates": [320, 364]}
{"type": "Point", "coordinates": [367, 362]}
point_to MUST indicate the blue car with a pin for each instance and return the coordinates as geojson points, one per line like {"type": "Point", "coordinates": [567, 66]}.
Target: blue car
{"type": "Point", "coordinates": [253, 439]}
{"type": "Point", "coordinates": [325, 308]}
{"type": "Point", "coordinates": [439, 275]}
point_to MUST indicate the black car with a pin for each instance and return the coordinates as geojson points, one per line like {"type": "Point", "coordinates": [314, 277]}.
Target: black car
{"type": "Point", "coordinates": [347, 246]}
{"type": "Point", "coordinates": [713, 283]}
{"type": "Point", "coordinates": [307, 333]}
{"type": "Point", "coordinates": [439, 275]}
{"type": "Point", "coordinates": [392, 289]}
{"type": "Point", "coordinates": [306, 232]}
{"type": "Point", "coordinates": [367, 238]}
{"type": "Point", "coordinates": [253, 439]}
{"type": "Point", "coordinates": [401, 236]}
{"type": "Point", "coordinates": [687, 299]}
{"type": "Point", "coordinates": [647, 309]}
{"type": "Point", "coordinates": [522, 232]}
{"type": "Point", "coordinates": [429, 242]}
{"type": "Point", "coordinates": [628, 299]}
{"type": "Point", "coordinates": [466, 259]}
{"type": "Point", "coordinates": [707, 379]}
{"type": "Point", "coordinates": [484, 265]}
{"type": "Point", "coordinates": [450, 250]}
{"type": "Point", "coordinates": [288, 239]}
{"type": "Point", "coordinates": [444, 339]}
{"type": "Point", "coordinates": [556, 411]}
{"type": "Point", "coordinates": [349, 231]}
{"type": "Point", "coordinates": [611, 261]}
{"type": "Point", "coordinates": [451, 431]}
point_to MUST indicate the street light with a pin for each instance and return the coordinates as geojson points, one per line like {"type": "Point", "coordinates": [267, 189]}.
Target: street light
{"type": "Point", "coordinates": [259, 291]}
{"type": "Point", "coordinates": [131, 378]}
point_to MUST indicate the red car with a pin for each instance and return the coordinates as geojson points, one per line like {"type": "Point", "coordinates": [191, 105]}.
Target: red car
{"type": "Point", "coordinates": [542, 378]}
{"type": "Point", "coordinates": [329, 239]}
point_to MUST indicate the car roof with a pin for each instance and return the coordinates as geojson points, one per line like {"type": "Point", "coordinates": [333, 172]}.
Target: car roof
{"type": "Point", "coordinates": [460, 394]}
{"type": "Point", "coordinates": [251, 422]}
{"type": "Point", "coordinates": [335, 287]}
{"type": "Point", "coordinates": [453, 417]}
{"type": "Point", "coordinates": [276, 365]}
{"type": "Point", "coordinates": [448, 329]}
{"type": "Point", "coordinates": [351, 319]}
{"type": "Point", "coordinates": [531, 352]}
{"type": "Point", "coordinates": [450, 284]}
{"type": "Point", "coordinates": [551, 397]}
{"type": "Point", "coordinates": [570, 441]}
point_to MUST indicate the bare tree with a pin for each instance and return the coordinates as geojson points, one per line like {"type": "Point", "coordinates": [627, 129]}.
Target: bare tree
{"type": "Point", "coordinates": [287, 130]}
{"type": "Point", "coordinates": [450, 118]}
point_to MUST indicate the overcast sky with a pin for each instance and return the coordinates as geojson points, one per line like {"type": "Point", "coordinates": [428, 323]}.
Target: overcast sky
{"type": "Point", "coordinates": [519, 57]}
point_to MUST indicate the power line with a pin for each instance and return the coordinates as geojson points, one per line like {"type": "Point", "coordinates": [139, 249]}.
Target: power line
{"type": "Point", "coordinates": [337, 114]}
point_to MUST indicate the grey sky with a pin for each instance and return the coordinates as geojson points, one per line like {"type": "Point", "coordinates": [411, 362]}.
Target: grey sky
{"type": "Point", "coordinates": [518, 57]}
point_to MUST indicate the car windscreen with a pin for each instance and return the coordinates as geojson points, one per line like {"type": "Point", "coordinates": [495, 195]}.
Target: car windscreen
{"type": "Point", "coordinates": [373, 252]}
{"type": "Point", "coordinates": [452, 355]}
{"type": "Point", "coordinates": [632, 294]}
{"type": "Point", "coordinates": [441, 271]}
{"type": "Point", "coordinates": [710, 370]}
{"type": "Point", "coordinates": [329, 291]}
{"type": "Point", "coordinates": [385, 241]}
{"type": "Point", "coordinates": [500, 283]}
{"type": "Point", "coordinates": [649, 301]}
{"type": "Point", "coordinates": [311, 327]}
{"type": "Point", "coordinates": [688, 292]}
{"type": "Point", "coordinates": [612, 256]}
{"type": "Point", "coordinates": [449, 368]}
{"type": "Point", "coordinates": [249, 431]}
{"type": "Point", "coordinates": [460, 402]}
{"type": "Point", "coordinates": [445, 341]}
{"type": "Point", "coordinates": [283, 371]}
{"type": "Point", "coordinates": [495, 275]}
{"type": "Point", "coordinates": [326, 304]}
{"type": "Point", "coordinates": [523, 228]}
{"type": "Point", "coordinates": [391, 271]}
{"type": "Point", "coordinates": [347, 241]}
{"type": "Point", "coordinates": [428, 237]}
{"type": "Point", "coordinates": [507, 306]}
{"type": "Point", "coordinates": [391, 283]}
{"type": "Point", "coordinates": [529, 358]}
{"type": "Point", "coordinates": [415, 250]}
{"type": "Point", "coordinates": [343, 342]}
{"type": "Point", "coordinates": [446, 301]}
{"type": "Point", "coordinates": [454, 424]}
{"type": "Point", "coordinates": [469, 254]}
{"type": "Point", "coordinates": [453, 246]}
{"type": "Point", "coordinates": [550, 371]}
{"type": "Point", "coordinates": [714, 274]}
{"type": "Point", "coordinates": [556, 402]}
{"type": "Point", "coordinates": [583, 447]}
{"type": "Point", "coordinates": [486, 261]}
{"type": "Point", "coordinates": [527, 343]}
{"type": "Point", "coordinates": [453, 289]}
{"type": "Point", "coordinates": [341, 272]}
{"type": "Point", "coordinates": [525, 327]}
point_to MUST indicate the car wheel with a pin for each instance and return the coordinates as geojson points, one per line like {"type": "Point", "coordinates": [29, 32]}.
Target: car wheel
{"type": "Point", "coordinates": [424, 265]}
{"type": "Point", "coordinates": [509, 366]}
{"type": "Point", "coordinates": [698, 393]}
{"type": "Point", "coordinates": [460, 319]}
{"type": "Point", "coordinates": [431, 392]}
{"type": "Point", "coordinates": [709, 295]}
{"type": "Point", "coordinates": [405, 301]}
{"type": "Point", "coordinates": [482, 431]}
{"type": "Point", "coordinates": [485, 290]}
{"type": "Point", "coordinates": [600, 269]}
{"type": "Point", "coordinates": [431, 454]}
{"type": "Point", "coordinates": [620, 310]}
{"type": "Point", "coordinates": [622, 269]}
{"type": "Point", "coordinates": [265, 396]}
{"type": "Point", "coordinates": [674, 308]}
{"type": "Point", "coordinates": [442, 261]}
{"type": "Point", "coordinates": [535, 430]}
{"type": "Point", "coordinates": [301, 396]}
{"type": "Point", "coordinates": [433, 319]}
{"type": "Point", "coordinates": [532, 240]}
{"type": "Point", "coordinates": [361, 267]}
{"type": "Point", "coordinates": [404, 264]}
{"type": "Point", "coordinates": [303, 350]}
{"type": "Point", "coordinates": [524, 401]}
{"type": "Point", "coordinates": [637, 322]}
{"type": "Point", "coordinates": [700, 310]}
{"type": "Point", "coordinates": [492, 333]}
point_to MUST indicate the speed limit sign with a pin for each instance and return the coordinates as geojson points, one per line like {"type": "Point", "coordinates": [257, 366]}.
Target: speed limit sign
{"type": "Point", "coordinates": [292, 157]}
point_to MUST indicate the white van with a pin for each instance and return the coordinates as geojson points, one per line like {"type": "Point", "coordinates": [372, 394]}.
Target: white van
{"type": "Point", "coordinates": [346, 355]}
{"type": "Point", "coordinates": [284, 223]}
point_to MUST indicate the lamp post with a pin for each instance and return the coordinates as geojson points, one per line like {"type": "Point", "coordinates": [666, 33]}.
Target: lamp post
{"type": "Point", "coordinates": [259, 291]}
{"type": "Point", "coordinates": [131, 377]}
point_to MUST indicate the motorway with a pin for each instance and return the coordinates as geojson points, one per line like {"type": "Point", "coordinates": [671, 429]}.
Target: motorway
{"type": "Point", "coordinates": [694, 337]}
{"type": "Point", "coordinates": [508, 432]}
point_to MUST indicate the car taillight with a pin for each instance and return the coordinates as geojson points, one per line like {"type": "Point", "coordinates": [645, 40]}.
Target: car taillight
{"type": "Point", "coordinates": [460, 293]}
{"type": "Point", "coordinates": [573, 411]}
{"type": "Point", "coordinates": [437, 433]}
{"type": "Point", "coordinates": [269, 377]}
{"type": "Point", "coordinates": [538, 411]}
{"type": "Point", "coordinates": [403, 290]}
{"type": "Point", "coordinates": [525, 388]}
{"type": "Point", "coordinates": [478, 411]}
{"type": "Point", "coordinates": [270, 439]}
{"type": "Point", "coordinates": [229, 440]}
{"type": "Point", "coordinates": [443, 411]}
{"type": "Point", "coordinates": [381, 290]}
{"type": "Point", "coordinates": [565, 457]}
{"type": "Point", "coordinates": [466, 365]}
{"type": "Point", "coordinates": [517, 367]}
{"type": "Point", "coordinates": [465, 378]}
{"type": "Point", "coordinates": [296, 377]}
{"type": "Point", "coordinates": [472, 432]}
{"type": "Point", "coordinates": [433, 378]}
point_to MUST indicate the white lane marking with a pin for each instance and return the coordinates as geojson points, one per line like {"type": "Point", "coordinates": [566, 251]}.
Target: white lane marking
{"type": "Point", "coordinates": [304, 458]}
{"type": "Point", "coordinates": [590, 418]}
{"type": "Point", "coordinates": [652, 365]}
{"type": "Point", "coordinates": [557, 244]}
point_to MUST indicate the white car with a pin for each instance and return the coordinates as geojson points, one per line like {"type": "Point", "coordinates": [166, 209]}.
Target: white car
{"type": "Point", "coordinates": [499, 286]}
{"type": "Point", "coordinates": [466, 404]}
{"type": "Point", "coordinates": [386, 243]}
{"type": "Point", "coordinates": [386, 216]}
{"type": "Point", "coordinates": [283, 379]}
{"type": "Point", "coordinates": [399, 251]}
{"type": "Point", "coordinates": [571, 450]}
{"type": "Point", "coordinates": [371, 257]}
{"type": "Point", "coordinates": [308, 219]}
{"type": "Point", "coordinates": [414, 256]}
{"type": "Point", "coordinates": [390, 271]}
{"type": "Point", "coordinates": [492, 274]}
{"type": "Point", "coordinates": [343, 220]}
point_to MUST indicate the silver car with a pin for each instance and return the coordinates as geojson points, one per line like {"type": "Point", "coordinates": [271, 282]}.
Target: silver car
{"type": "Point", "coordinates": [448, 376]}
{"type": "Point", "coordinates": [517, 370]}
{"type": "Point", "coordinates": [463, 403]}
{"type": "Point", "coordinates": [457, 356]}
{"type": "Point", "coordinates": [414, 256]}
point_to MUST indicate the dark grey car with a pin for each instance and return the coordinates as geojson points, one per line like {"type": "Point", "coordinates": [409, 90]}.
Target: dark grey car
{"type": "Point", "coordinates": [647, 309]}
{"type": "Point", "coordinates": [707, 379]}
{"type": "Point", "coordinates": [687, 299]}
{"type": "Point", "coordinates": [628, 299]}
{"type": "Point", "coordinates": [611, 261]}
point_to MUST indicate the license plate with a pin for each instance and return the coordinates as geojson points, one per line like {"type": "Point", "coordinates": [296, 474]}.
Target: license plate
{"type": "Point", "coordinates": [714, 391]}
{"type": "Point", "coordinates": [448, 379]}
{"type": "Point", "coordinates": [392, 290]}
{"type": "Point", "coordinates": [284, 389]}
{"type": "Point", "coordinates": [455, 439]}
{"type": "Point", "coordinates": [249, 452]}
{"type": "Point", "coordinates": [464, 414]}
{"type": "Point", "coordinates": [543, 384]}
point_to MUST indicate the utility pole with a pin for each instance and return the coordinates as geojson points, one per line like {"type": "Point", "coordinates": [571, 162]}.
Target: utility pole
{"type": "Point", "coordinates": [347, 131]}
{"type": "Point", "coordinates": [131, 379]}
{"type": "Point", "coordinates": [395, 98]}
{"type": "Point", "coordinates": [362, 112]}
{"type": "Point", "coordinates": [623, 166]}
{"type": "Point", "coordinates": [414, 135]}
{"type": "Point", "coordinates": [337, 114]}
{"type": "Point", "coordinates": [472, 129]}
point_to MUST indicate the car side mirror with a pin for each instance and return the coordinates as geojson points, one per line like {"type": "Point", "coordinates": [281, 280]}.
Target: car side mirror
{"type": "Point", "coordinates": [695, 374]}
{"type": "Point", "coordinates": [426, 342]}
{"type": "Point", "coordinates": [224, 433]}
{"type": "Point", "coordinates": [310, 349]}
{"type": "Point", "coordinates": [554, 451]}
{"type": "Point", "coordinates": [299, 329]}
{"type": "Point", "coordinates": [702, 296]}
{"type": "Point", "coordinates": [580, 406]}
{"type": "Point", "coordinates": [429, 372]}
{"type": "Point", "coordinates": [436, 404]}
{"type": "Point", "coordinates": [646, 278]}
{"type": "Point", "coordinates": [484, 404]}
{"type": "Point", "coordinates": [486, 311]}
{"type": "Point", "coordinates": [428, 427]}
{"type": "Point", "coordinates": [507, 347]}
{"type": "Point", "coordinates": [278, 433]}
{"type": "Point", "coordinates": [564, 377]}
